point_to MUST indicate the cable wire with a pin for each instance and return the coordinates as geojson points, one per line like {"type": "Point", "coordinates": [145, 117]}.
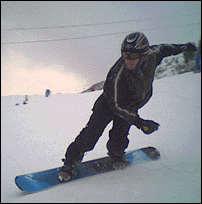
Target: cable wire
{"type": "Point", "coordinates": [96, 24]}
{"type": "Point", "coordinates": [93, 36]}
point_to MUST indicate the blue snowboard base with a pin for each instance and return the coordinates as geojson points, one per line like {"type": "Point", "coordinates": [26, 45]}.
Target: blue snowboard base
{"type": "Point", "coordinates": [41, 180]}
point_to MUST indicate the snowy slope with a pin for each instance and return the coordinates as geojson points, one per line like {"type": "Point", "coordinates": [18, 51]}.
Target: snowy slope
{"type": "Point", "coordinates": [35, 137]}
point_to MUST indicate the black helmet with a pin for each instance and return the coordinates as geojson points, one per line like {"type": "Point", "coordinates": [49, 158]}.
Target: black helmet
{"type": "Point", "coordinates": [135, 42]}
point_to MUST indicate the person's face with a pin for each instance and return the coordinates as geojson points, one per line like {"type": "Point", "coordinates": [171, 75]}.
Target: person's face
{"type": "Point", "coordinates": [131, 59]}
{"type": "Point", "coordinates": [131, 63]}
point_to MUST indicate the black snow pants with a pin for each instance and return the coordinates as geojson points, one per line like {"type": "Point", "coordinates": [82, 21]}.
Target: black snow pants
{"type": "Point", "coordinates": [88, 137]}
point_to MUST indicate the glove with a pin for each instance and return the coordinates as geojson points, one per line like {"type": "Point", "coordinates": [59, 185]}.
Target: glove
{"type": "Point", "coordinates": [147, 126]}
{"type": "Point", "coordinates": [190, 47]}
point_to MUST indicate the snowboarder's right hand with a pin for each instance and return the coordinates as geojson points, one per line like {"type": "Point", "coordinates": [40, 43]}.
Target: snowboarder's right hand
{"type": "Point", "coordinates": [147, 126]}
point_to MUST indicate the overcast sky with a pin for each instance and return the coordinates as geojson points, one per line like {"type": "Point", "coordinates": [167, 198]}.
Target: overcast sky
{"type": "Point", "coordinates": [80, 61]}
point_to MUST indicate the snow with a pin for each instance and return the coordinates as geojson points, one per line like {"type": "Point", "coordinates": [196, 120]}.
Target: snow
{"type": "Point", "coordinates": [35, 137]}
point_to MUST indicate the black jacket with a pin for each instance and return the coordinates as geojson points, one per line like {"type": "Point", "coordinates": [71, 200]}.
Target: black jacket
{"type": "Point", "coordinates": [128, 90]}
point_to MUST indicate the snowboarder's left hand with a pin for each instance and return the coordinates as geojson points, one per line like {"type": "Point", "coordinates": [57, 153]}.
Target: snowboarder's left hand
{"type": "Point", "coordinates": [190, 47]}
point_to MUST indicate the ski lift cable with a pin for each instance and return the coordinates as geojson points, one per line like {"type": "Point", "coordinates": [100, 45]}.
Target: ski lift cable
{"type": "Point", "coordinates": [101, 35]}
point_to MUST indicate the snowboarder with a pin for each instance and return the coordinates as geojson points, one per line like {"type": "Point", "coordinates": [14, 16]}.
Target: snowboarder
{"type": "Point", "coordinates": [128, 87]}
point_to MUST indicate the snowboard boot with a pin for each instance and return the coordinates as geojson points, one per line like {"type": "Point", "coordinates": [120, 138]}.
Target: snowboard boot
{"type": "Point", "coordinates": [68, 171]}
{"type": "Point", "coordinates": [118, 161]}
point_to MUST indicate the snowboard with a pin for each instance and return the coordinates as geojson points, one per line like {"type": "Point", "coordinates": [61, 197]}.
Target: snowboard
{"type": "Point", "coordinates": [41, 180]}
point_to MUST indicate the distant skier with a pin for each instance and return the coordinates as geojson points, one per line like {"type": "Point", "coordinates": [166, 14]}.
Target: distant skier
{"type": "Point", "coordinates": [128, 87]}
{"type": "Point", "coordinates": [48, 92]}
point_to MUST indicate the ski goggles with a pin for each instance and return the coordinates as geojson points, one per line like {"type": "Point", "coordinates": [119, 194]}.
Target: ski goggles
{"type": "Point", "coordinates": [130, 55]}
